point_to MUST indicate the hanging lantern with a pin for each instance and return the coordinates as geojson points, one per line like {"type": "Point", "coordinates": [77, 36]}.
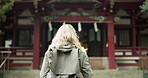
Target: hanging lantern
{"type": "Point", "coordinates": [95, 26]}
{"type": "Point", "coordinates": [35, 4]}
{"type": "Point", "coordinates": [64, 22]}
{"type": "Point", "coordinates": [50, 26]}
{"type": "Point", "coordinates": [79, 26]}
{"type": "Point", "coordinates": [112, 2]}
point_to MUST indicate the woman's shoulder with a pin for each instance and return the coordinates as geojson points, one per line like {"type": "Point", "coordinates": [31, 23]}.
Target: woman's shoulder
{"type": "Point", "coordinates": [82, 53]}
{"type": "Point", "coordinates": [49, 52]}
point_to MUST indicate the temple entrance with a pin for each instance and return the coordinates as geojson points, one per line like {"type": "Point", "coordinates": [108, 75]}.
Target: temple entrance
{"type": "Point", "coordinates": [90, 39]}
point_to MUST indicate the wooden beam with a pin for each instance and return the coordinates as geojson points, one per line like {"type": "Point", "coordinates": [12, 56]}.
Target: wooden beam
{"type": "Point", "coordinates": [128, 5]}
{"type": "Point", "coordinates": [73, 6]}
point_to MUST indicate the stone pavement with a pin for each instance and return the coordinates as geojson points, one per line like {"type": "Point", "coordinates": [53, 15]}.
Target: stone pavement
{"type": "Point", "coordinates": [97, 74]}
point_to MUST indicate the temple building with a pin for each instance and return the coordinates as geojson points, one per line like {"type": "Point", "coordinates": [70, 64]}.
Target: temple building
{"type": "Point", "coordinates": [113, 32]}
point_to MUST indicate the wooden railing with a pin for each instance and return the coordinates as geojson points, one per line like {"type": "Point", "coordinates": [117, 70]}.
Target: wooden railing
{"type": "Point", "coordinates": [125, 56]}
{"type": "Point", "coordinates": [20, 56]}
{"type": "Point", "coordinates": [132, 56]}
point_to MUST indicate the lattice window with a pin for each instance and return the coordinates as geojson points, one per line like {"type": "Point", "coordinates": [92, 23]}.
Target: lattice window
{"type": "Point", "coordinates": [123, 37]}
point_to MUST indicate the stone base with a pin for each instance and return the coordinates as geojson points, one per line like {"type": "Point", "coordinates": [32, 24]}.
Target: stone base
{"type": "Point", "coordinates": [21, 74]}
{"type": "Point", "coordinates": [118, 74]}
{"type": "Point", "coordinates": [100, 63]}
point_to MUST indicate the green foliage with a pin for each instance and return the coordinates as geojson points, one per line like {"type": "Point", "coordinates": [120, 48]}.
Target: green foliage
{"type": "Point", "coordinates": [144, 6]}
{"type": "Point", "coordinates": [1, 32]}
{"type": "Point", "coordinates": [5, 6]}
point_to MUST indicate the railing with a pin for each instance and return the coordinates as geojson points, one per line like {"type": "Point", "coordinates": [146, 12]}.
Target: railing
{"type": "Point", "coordinates": [132, 56]}
{"type": "Point", "coordinates": [4, 59]}
{"type": "Point", "coordinates": [20, 56]}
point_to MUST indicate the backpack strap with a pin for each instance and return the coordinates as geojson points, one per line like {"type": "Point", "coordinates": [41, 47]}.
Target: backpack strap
{"type": "Point", "coordinates": [79, 58]}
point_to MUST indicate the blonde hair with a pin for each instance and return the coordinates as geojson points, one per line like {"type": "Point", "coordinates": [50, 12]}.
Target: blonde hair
{"type": "Point", "coordinates": [65, 35]}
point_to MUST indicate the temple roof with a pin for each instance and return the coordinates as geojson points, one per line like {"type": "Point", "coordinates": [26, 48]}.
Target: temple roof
{"type": "Point", "coordinates": [26, 0]}
{"type": "Point", "coordinates": [73, 1]}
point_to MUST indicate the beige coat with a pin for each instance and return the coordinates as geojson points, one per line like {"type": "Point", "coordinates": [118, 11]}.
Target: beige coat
{"type": "Point", "coordinates": [65, 61]}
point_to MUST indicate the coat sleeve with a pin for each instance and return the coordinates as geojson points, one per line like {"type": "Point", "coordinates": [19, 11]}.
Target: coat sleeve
{"type": "Point", "coordinates": [45, 65]}
{"type": "Point", "coordinates": [86, 67]}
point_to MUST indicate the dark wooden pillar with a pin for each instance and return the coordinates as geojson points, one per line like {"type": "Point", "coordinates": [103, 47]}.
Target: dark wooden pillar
{"type": "Point", "coordinates": [15, 23]}
{"type": "Point", "coordinates": [1, 40]}
{"type": "Point", "coordinates": [36, 42]}
{"type": "Point", "coordinates": [1, 35]}
{"type": "Point", "coordinates": [134, 32]}
{"type": "Point", "coordinates": [138, 38]}
{"type": "Point", "coordinates": [111, 45]}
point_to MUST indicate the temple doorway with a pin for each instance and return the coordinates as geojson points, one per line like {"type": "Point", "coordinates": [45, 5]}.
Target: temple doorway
{"type": "Point", "coordinates": [91, 40]}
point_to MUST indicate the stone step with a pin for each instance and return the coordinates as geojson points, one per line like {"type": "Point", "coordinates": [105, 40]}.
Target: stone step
{"type": "Point", "coordinates": [20, 68]}
{"type": "Point", "coordinates": [97, 74]}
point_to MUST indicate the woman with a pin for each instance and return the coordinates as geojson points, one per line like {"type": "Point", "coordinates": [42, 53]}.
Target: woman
{"type": "Point", "coordinates": [65, 58]}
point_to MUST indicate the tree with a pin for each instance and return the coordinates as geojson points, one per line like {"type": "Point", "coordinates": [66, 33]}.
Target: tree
{"type": "Point", "coordinates": [5, 6]}
{"type": "Point", "coordinates": [144, 6]}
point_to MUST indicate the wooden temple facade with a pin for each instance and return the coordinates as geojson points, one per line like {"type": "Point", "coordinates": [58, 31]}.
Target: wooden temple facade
{"type": "Point", "coordinates": [114, 32]}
